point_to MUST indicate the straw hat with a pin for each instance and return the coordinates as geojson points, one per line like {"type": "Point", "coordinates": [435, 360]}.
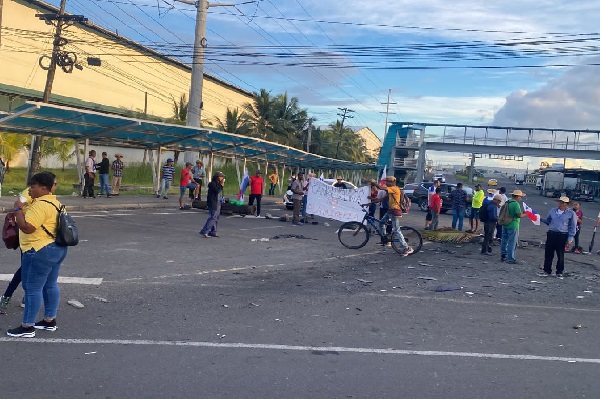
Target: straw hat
{"type": "Point", "coordinates": [564, 199]}
{"type": "Point", "coordinates": [517, 193]}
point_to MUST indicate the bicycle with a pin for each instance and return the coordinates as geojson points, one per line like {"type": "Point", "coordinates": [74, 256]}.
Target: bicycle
{"type": "Point", "coordinates": [354, 234]}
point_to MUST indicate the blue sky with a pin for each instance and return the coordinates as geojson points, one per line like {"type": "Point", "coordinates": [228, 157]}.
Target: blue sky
{"type": "Point", "coordinates": [364, 41]}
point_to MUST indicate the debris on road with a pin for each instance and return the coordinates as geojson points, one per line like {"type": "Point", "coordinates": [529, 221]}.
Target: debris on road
{"type": "Point", "coordinates": [447, 288]}
{"type": "Point", "coordinates": [578, 326]}
{"type": "Point", "coordinates": [364, 281]}
{"type": "Point", "coordinates": [427, 278]}
{"type": "Point", "coordinates": [75, 303]}
{"type": "Point", "coordinates": [101, 299]}
{"type": "Point", "coordinates": [288, 236]}
{"type": "Point", "coordinates": [260, 240]}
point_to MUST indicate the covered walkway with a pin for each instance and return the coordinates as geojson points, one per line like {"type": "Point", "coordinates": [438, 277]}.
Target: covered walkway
{"type": "Point", "coordinates": [96, 128]}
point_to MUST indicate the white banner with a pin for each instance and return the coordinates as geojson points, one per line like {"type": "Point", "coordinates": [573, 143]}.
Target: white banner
{"type": "Point", "coordinates": [340, 204]}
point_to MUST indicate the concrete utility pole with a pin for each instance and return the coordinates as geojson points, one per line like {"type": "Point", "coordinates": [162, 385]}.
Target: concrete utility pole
{"type": "Point", "coordinates": [387, 111]}
{"type": "Point", "coordinates": [309, 135]}
{"type": "Point", "coordinates": [344, 115]}
{"type": "Point", "coordinates": [67, 61]}
{"type": "Point", "coordinates": [195, 104]}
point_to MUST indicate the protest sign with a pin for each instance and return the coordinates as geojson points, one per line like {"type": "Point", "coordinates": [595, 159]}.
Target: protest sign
{"type": "Point", "coordinates": [340, 204]}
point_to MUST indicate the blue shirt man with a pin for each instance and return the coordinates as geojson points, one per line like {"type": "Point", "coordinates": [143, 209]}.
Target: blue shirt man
{"type": "Point", "coordinates": [562, 224]}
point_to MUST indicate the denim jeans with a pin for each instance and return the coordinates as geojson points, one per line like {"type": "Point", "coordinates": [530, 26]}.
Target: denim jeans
{"type": "Point", "coordinates": [458, 215]}
{"type": "Point", "coordinates": [509, 243]}
{"type": "Point", "coordinates": [164, 187]}
{"type": "Point", "coordinates": [272, 189]}
{"type": "Point", "coordinates": [40, 274]}
{"type": "Point", "coordinates": [212, 223]}
{"type": "Point", "coordinates": [395, 227]}
{"type": "Point", "coordinates": [104, 184]}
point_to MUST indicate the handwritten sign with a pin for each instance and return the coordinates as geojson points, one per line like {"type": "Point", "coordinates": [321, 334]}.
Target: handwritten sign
{"type": "Point", "coordinates": [340, 204]}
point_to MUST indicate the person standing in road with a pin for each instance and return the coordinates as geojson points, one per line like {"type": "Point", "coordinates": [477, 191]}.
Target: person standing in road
{"type": "Point", "coordinates": [577, 210]}
{"type": "Point", "coordinates": [199, 175]}
{"type": "Point", "coordinates": [562, 224]}
{"type": "Point", "coordinates": [214, 199]}
{"type": "Point", "coordinates": [167, 172]}
{"type": "Point", "coordinates": [458, 197]}
{"type": "Point", "coordinates": [476, 204]}
{"type": "Point", "coordinates": [90, 175]}
{"type": "Point", "coordinates": [186, 181]}
{"type": "Point", "coordinates": [274, 178]}
{"type": "Point", "coordinates": [394, 197]}
{"type": "Point", "coordinates": [489, 225]}
{"type": "Point", "coordinates": [430, 192]}
{"type": "Point", "coordinates": [103, 171]}
{"type": "Point", "coordinates": [41, 257]}
{"type": "Point", "coordinates": [502, 193]}
{"type": "Point", "coordinates": [435, 206]}
{"type": "Point", "coordinates": [297, 189]}
{"type": "Point", "coordinates": [257, 184]}
{"type": "Point", "coordinates": [510, 232]}
{"type": "Point", "coordinates": [117, 169]}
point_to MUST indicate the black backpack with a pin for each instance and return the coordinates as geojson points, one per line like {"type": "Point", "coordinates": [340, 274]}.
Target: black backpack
{"type": "Point", "coordinates": [483, 212]}
{"type": "Point", "coordinates": [66, 231]}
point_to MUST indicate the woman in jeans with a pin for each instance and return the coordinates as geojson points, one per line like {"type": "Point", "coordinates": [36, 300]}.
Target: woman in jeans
{"type": "Point", "coordinates": [41, 258]}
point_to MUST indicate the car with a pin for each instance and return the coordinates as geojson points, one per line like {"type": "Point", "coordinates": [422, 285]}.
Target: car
{"type": "Point", "coordinates": [439, 177]}
{"type": "Point", "coordinates": [289, 203]}
{"type": "Point", "coordinates": [492, 182]}
{"type": "Point", "coordinates": [409, 188]}
{"type": "Point", "coordinates": [419, 196]}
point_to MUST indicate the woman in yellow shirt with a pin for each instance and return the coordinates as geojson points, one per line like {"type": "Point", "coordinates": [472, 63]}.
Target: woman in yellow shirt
{"type": "Point", "coordinates": [42, 257]}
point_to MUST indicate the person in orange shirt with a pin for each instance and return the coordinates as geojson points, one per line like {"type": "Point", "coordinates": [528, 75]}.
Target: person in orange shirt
{"type": "Point", "coordinates": [256, 191]}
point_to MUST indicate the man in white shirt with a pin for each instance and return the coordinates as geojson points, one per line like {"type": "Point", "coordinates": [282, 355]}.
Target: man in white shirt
{"type": "Point", "coordinates": [90, 175]}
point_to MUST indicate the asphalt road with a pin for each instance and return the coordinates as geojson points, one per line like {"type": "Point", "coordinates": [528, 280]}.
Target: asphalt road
{"type": "Point", "coordinates": [304, 317]}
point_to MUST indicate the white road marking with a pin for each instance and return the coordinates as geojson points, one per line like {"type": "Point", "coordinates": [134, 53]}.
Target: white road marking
{"type": "Point", "coordinates": [64, 279]}
{"type": "Point", "coordinates": [520, 357]}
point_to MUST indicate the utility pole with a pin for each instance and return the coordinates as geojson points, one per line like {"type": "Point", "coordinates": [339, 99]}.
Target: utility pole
{"type": "Point", "coordinates": [195, 104]}
{"type": "Point", "coordinates": [65, 60]}
{"type": "Point", "coordinates": [309, 135]}
{"type": "Point", "coordinates": [387, 111]}
{"type": "Point", "coordinates": [344, 115]}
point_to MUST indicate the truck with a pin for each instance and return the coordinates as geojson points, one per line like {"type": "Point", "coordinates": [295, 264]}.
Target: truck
{"type": "Point", "coordinates": [519, 178]}
{"type": "Point", "coordinates": [539, 181]}
{"type": "Point", "coordinates": [553, 183]}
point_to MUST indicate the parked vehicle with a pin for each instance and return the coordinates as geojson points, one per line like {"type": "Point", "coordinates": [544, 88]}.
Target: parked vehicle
{"type": "Point", "coordinates": [492, 182]}
{"type": "Point", "coordinates": [419, 196]}
{"type": "Point", "coordinates": [553, 184]}
{"type": "Point", "coordinates": [409, 189]}
{"type": "Point", "coordinates": [519, 179]}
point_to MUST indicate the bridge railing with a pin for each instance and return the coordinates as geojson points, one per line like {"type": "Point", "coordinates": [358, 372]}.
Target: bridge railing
{"type": "Point", "coordinates": [405, 162]}
{"type": "Point", "coordinates": [514, 142]}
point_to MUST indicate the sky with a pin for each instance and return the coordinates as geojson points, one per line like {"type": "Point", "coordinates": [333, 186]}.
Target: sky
{"type": "Point", "coordinates": [515, 62]}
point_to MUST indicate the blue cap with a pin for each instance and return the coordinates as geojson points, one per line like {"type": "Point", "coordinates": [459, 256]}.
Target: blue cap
{"type": "Point", "coordinates": [169, 160]}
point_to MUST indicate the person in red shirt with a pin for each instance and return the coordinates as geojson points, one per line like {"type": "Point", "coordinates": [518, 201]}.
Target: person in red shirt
{"type": "Point", "coordinates": [436, 208]}
{"type": "Point", "coordinates": [186, 182]}
{"type": "Point", "coordinates": [256, 190]}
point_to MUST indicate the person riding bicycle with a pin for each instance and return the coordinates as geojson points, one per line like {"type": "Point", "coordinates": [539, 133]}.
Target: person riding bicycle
{"type": "Point", "coordinates": [394, 197]}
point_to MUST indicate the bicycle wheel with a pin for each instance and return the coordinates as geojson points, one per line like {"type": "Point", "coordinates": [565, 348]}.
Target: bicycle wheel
{"type": "Point", "coordinates": [411, 236]}
{"type": "Point", "coordinates": [353, 235]}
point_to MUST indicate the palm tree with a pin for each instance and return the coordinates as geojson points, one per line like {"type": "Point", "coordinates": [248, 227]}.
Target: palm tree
{"type": "Point", "coordinates": [259, 114]}
{"type": "Point", "coordinates": [11, 145]}
{"type": "Point", "coordinates": [289, 120]}
{"type": "Point", "coordinates": [234, 122]}
{"type": "Point", "coordinates": [63, 149]}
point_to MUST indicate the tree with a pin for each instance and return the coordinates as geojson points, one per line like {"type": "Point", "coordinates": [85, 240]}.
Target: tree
{"type": "Point", "coordinates": [11, 144]}
{"type": "Point", "coordinates": [63, 149]}
{"type": "Point", "coordinates": [235, 122]}
{"type": "Point", "coordinates": [259, 114]}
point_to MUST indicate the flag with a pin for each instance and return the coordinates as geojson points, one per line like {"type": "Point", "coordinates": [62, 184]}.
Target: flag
{"type": "Point", "coordinates": [532, 214]}
{"type": "Point", "coordinates": [321, 177]}
{"type": "Point", "coordinates": [243, 185]}
{"type": "Point", "coordinates": [383, 176]}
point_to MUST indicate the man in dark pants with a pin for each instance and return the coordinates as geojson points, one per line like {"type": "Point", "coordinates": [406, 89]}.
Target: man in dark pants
{"type": "Point", "coordinates": [256, 191]}
{"type": "Point", "coordinates": [491, 208]}
{"type": "Point", "coordinates": [90, 175]}
{"type": "Point", "coordinates": [562, 223]}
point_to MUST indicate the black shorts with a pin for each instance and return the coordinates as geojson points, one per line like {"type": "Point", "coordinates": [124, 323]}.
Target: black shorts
{"type": "Point", "coordinates": [429, 216]}
{"type": "Point", "coordinates": [198, 181]}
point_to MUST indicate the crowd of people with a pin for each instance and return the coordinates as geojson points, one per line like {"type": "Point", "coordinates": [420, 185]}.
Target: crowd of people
{"type": "Point", "coordinates": [103, 169]}
{"type": "Point", "coordinates": [501, 216]}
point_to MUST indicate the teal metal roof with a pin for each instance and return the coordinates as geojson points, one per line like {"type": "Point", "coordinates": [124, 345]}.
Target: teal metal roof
{"type": "Point", "coordinates": [114, 130]}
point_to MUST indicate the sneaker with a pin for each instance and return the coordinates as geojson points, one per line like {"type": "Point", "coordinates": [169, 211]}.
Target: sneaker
{"type": "Point", "coordinates": [389, 244]}
{"type": "Point", "coordinates": [4, 300]}
{"type": "Point", "coordinates": [407, 252]}
{"type": "Point", "coordinates": [543, 274]}
{"type": "Point", "coordinates": [511, 261]}
{"type": "Point", "coordinates": [489, 253]}
{"type": "Point", "coordinates": [23, 302]}
{"type": "Point", "coordinates": [559, 276]}
{"type": "Point", "coordinates": [47, 326]}
{"type": "Point", "coordinates": [20, 331]}
{"type": "Point", "coordinates": [165, 197]}
{"type": "Point", "coordinates": [502, 258]}
{"type": "Point", "coordinates": [566, 248]}
{"type": "Point", "coordinates": [577, 251]}
{"type": "Point", "coordinates": [158, 196]}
